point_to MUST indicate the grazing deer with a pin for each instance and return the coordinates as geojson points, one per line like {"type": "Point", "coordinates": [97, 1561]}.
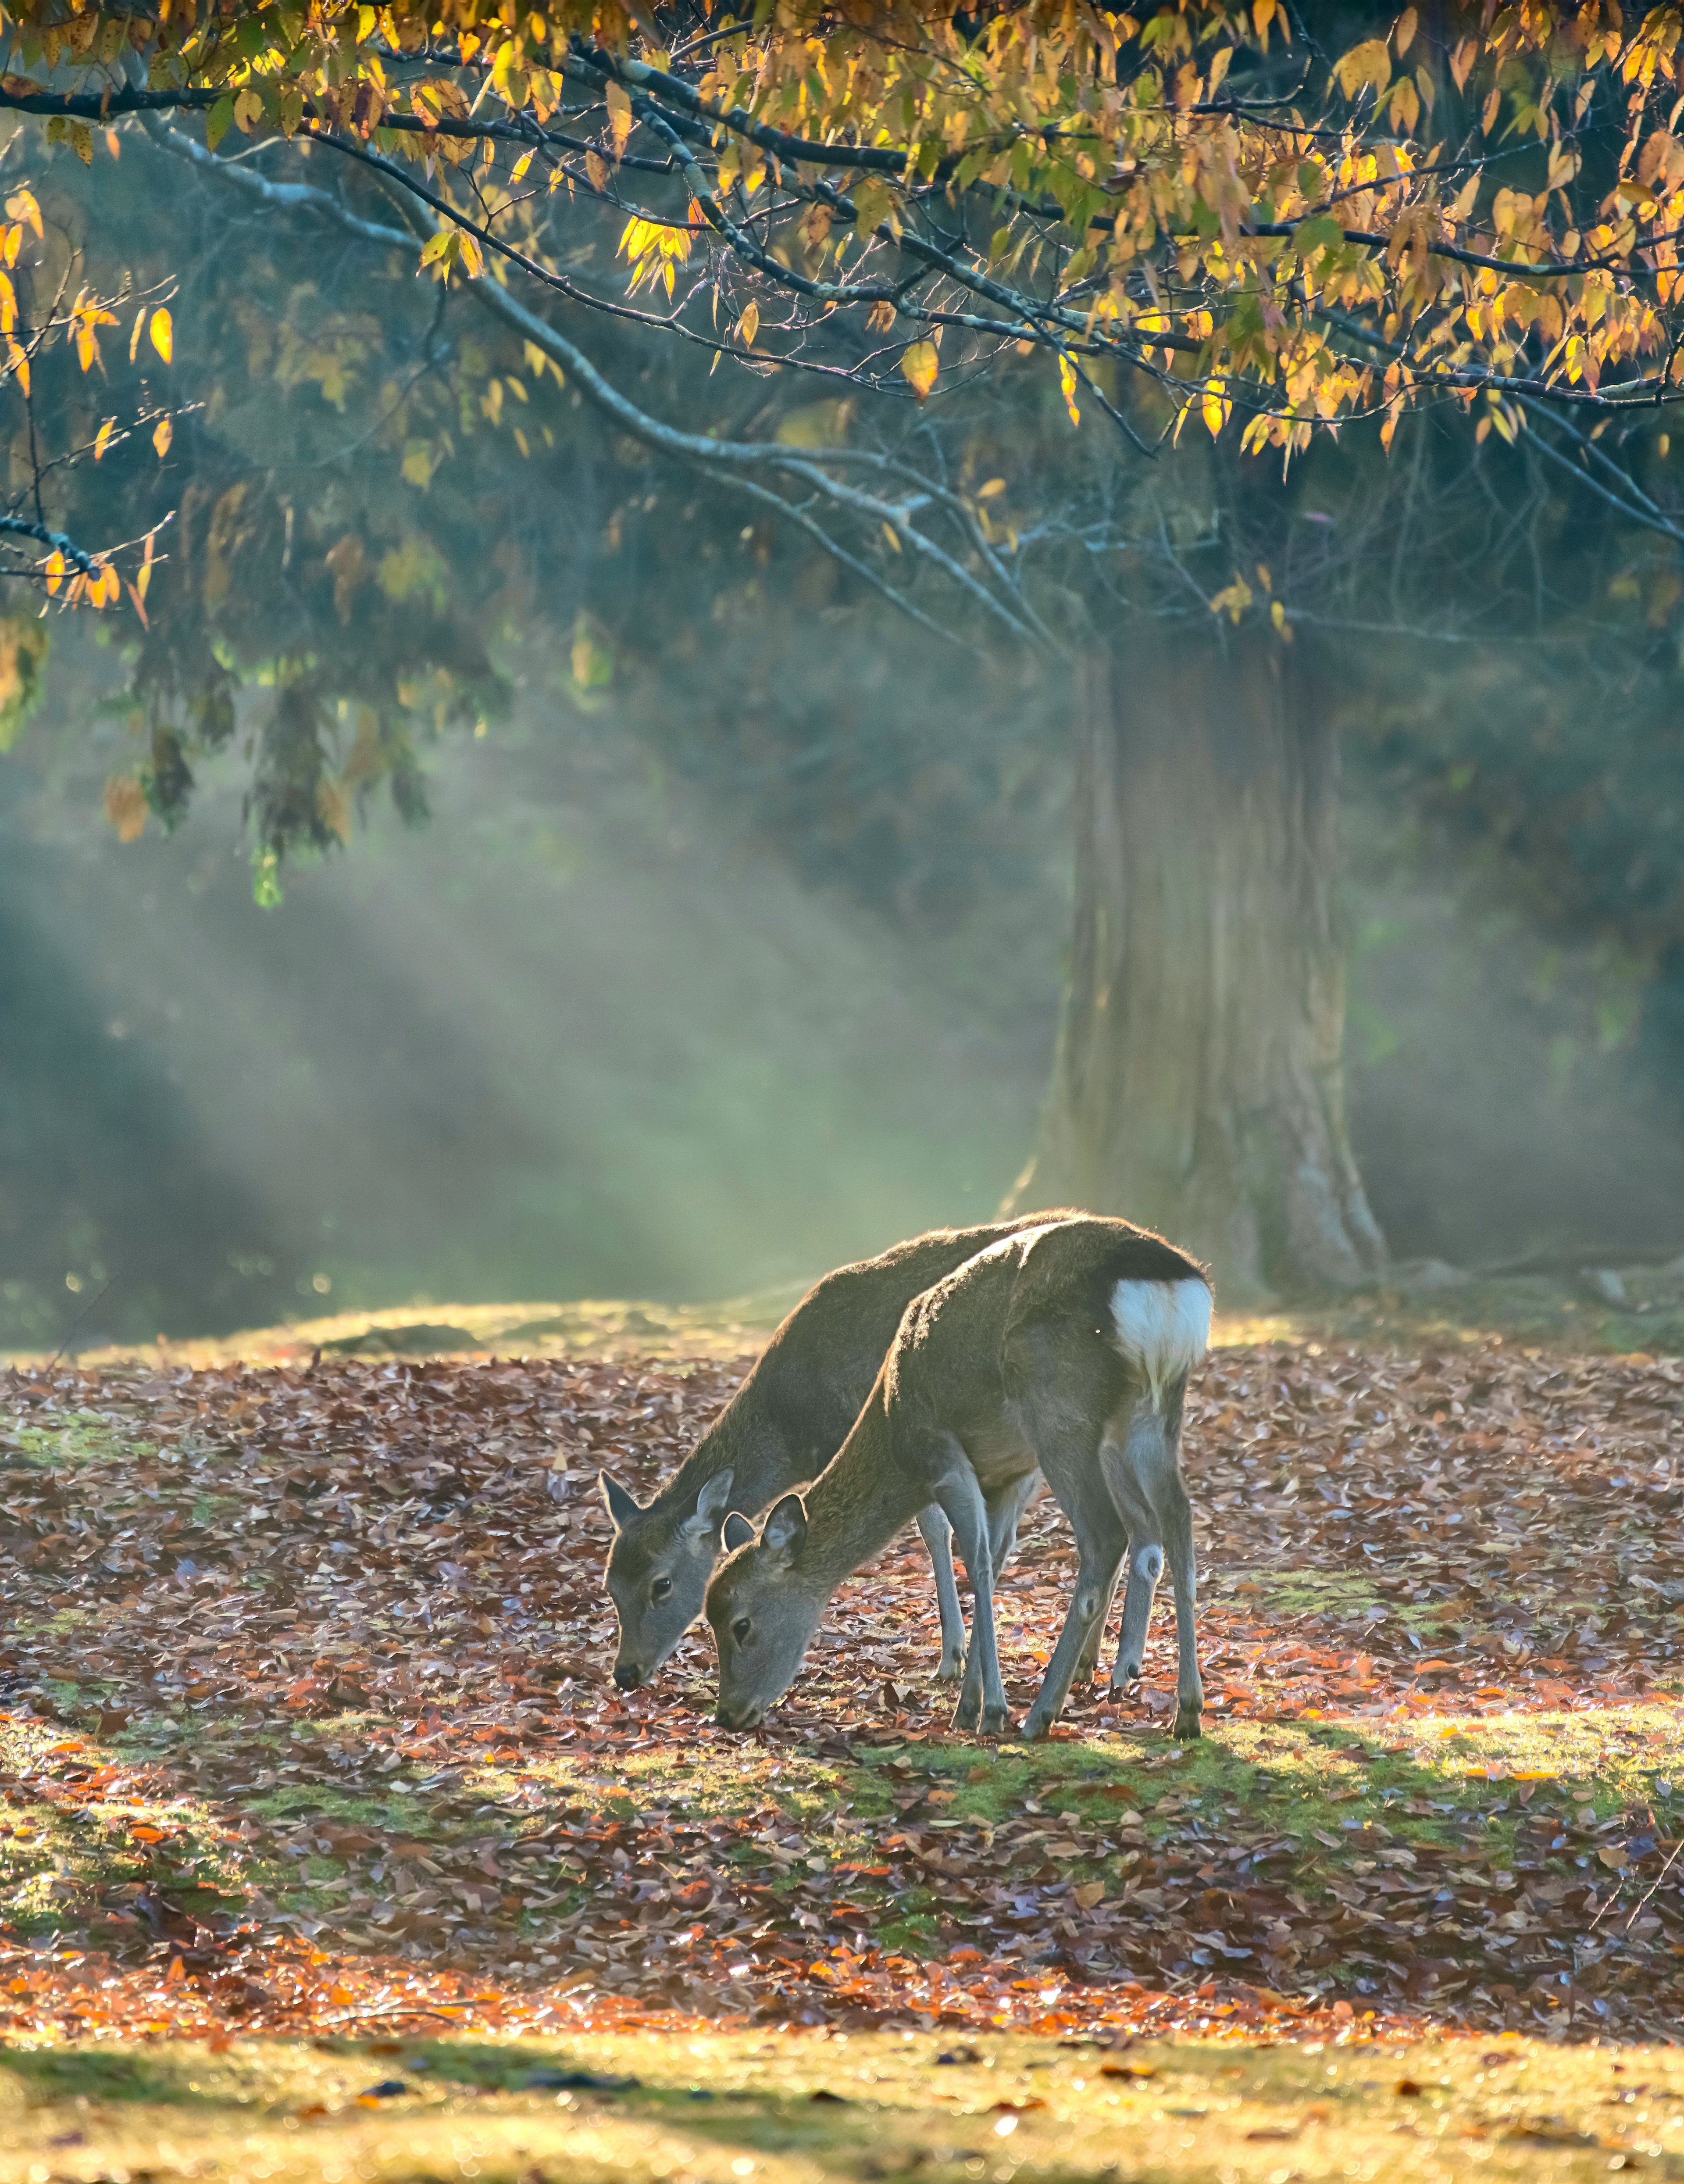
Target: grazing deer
{"type": "Point", "coordinates": [1065, 1346]}
{"type": "Point", "coordinates": [782, 1427]}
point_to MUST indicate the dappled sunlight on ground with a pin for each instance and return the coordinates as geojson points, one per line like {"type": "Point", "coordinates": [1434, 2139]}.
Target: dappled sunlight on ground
{"type": "Point", "coordinates": [310, 1727]}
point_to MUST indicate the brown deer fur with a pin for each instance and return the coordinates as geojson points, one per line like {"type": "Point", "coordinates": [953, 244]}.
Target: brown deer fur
{"type": "Point", "coordinates": [780, 1427]}
{"type": "Point", "coordinates": [1065, 1346]}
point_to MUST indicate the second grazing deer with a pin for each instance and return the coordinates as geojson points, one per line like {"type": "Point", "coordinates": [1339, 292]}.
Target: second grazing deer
{"type": "Point", "coordinates": [782, 1427]}
{"type": "Point", "coordinates": [1066, 1345]}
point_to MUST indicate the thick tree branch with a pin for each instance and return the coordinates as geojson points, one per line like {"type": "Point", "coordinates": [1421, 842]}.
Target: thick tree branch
{"type": "Point", "coordinates": [18, 527]}
{"type": "Point", "coordinates": [422, 208]}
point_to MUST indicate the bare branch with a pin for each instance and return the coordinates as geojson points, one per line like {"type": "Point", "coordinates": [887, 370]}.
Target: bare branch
{"type": "Point", "coordinates": [59, 542]}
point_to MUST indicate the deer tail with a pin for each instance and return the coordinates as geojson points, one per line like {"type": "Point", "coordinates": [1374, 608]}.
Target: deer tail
{"type": "Point", "coordinates": [1163, 1329]}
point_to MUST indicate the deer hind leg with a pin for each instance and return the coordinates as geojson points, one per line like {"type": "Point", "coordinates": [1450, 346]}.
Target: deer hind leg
{"type": "Point", "coordinates": [938, 1537]}
{"type": "Point", "coordinates": [1184, 1576]}
{"type": "Point", "coordinates": [1102, 1543]}
{"type": "Point", "coordinates": [1144, 1477]}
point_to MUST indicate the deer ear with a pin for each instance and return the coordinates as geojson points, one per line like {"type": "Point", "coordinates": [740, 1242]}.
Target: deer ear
{"type": "Point", "coordinates": [738, 1531]}
{"type": "Point", "coordinates": [711, 1504]}
{"type": "Point", "coordinates": [786, 1528]}
{"type": "Point", "coordinates": [622, 1506]}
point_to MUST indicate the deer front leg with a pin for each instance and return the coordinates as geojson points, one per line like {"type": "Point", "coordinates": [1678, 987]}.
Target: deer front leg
{"type": "Point", "coordinates": [1004, 1518]}
{"type": "Point", "coordinates": [938, 1537]}
{"type": "Point", "coordinates": [982, 1698]}
{"type": "Point", "coordinates": [1095, 1639]}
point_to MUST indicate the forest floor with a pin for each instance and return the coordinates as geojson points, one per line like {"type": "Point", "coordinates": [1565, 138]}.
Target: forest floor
{"type": "Point", "coordinates": [326, 1846]}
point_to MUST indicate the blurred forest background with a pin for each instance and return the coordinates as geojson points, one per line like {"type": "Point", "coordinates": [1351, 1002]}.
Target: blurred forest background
{"type": "Point", "coordinates": [732, 946]}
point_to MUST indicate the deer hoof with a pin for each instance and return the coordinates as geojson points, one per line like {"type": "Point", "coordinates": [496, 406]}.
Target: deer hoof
{"type": "Point", "coordinates": [1036, 1727]}
{"type": "Point", "coordinates": [968, 1711]}
{"type": "Point", "coordinates": [1125, 1682]}
{"type": "Point", "coordinates": [1185, 1726]}
{"type": "Point", "coordinates": [952, 1668]}
{"type": "Point", "coordinates": [994, 1721]}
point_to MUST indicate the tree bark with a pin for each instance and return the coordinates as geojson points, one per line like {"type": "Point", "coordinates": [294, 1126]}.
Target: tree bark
{"type": "Point", "coordinates": [1198, 1083]}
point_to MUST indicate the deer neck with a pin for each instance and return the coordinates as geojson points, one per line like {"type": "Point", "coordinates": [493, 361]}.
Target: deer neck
{"type": "Point", "coordinates": [737, 1441]}
{"type": "Point", "coordinates": [858, 1501]}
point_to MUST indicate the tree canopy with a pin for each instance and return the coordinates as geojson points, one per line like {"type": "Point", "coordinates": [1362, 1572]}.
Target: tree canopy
{"type": "Point", "coordinates": [1245, 222]}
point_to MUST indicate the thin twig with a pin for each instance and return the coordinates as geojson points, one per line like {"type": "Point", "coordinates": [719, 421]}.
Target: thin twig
{"type": "Point", "coordinates": [71, 1336]}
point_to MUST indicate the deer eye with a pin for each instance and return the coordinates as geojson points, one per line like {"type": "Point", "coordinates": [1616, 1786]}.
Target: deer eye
{"type": "Point", "coordinates": [661, 1587]}
{"type": "Point", "coordinates": [741, 1629]}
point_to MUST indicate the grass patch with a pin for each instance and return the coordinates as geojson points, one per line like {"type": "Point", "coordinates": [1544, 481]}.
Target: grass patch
{"type": "Point", "coordinates": [794, 2109]}
{"type": "Point", "coordinates": [79, 1826]}
{"type": "Point", "coordinates": [1311, 1800]}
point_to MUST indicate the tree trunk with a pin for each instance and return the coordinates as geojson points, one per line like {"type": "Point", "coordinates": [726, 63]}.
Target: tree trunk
{"type": "Point", "coordinates": [1198, 1085]}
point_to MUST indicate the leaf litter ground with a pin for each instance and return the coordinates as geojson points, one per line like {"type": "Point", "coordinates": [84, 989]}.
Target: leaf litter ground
{"type": "Point", "coordinates": [309, 1733]}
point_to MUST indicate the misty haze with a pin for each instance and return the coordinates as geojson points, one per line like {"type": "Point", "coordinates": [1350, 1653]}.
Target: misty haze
{"type": "Point", "coordinates": [842, 1092]}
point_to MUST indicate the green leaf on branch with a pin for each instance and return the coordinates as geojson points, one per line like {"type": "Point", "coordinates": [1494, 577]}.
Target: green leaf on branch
{"type": "Point", "coordinates": [266, 891]}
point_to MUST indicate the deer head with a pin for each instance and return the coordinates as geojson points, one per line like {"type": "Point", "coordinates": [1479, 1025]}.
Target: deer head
{"type": "Point", "coordinates": [657, 1571]}
{"type": "Point", "coordinates": [764, 1608]}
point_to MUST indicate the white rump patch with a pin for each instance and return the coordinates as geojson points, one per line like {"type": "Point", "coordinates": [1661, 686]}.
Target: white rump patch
{"type": "Point", "coordinates": [1162, 1329]}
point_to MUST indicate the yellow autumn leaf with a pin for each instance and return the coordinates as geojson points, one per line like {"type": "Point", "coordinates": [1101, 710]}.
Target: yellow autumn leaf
{"type": "Point", "coordinates": [872, 200]}
{"type": "Point", "coordinates": [162, 334]}
{"type": "Point", "coordinates": [918, 366]}
{"type": "Point", "coordinates": [126, 806]}
{"type": "Point", "coordinates": [637, 237]}
{"type": "Point", "coordinates": [748, 325]}
{"type": "Point", "coordinates": [54, 568]}
{"type": "Point", "coordinates": [333, 808]}
{"type": "Point", "coordinates": [162, 438]}
{"type": "Point", "coordinates": [1067, 388]}
{"type": "Point", "coordinates": [21, 206]}
{"type": "Point", "coordinates": [102, 438]}
{"type": "Point", "coordinates": [1216, 409]}
{"type": "Point", "coordinates": [1367, 63]}
{"type": "Point", "coordinates": [592, 665]}
{"type": "Point", "coordinates": [620, 116]}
